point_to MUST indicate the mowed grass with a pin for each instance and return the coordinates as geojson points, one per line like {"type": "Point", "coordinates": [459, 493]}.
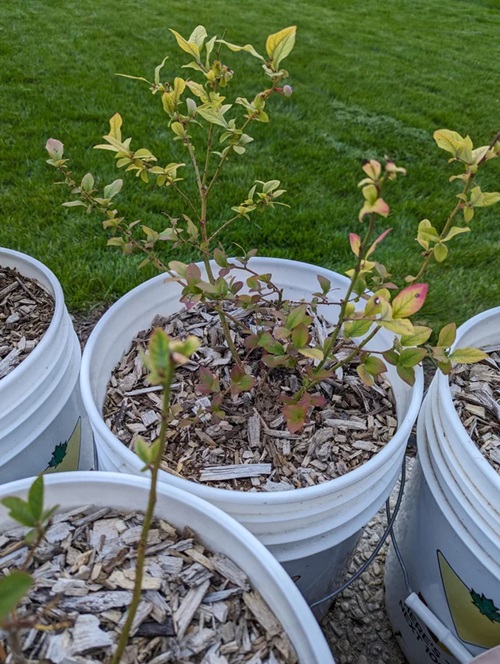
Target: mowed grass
{"type": "Point", "coordinates": [370, 79]}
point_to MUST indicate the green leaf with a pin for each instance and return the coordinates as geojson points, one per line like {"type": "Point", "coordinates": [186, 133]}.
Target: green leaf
{"type": "Point", "coordinates": [35, 498]}
{"type": "Point", "coordinates": [280, 44]}
{"type": "Point", "coordinates": [12, 589]}
{"type": "Point", "coordinates": [467, 355]}
{"type": "Point", "coordinates": [74, 204]}
{"type": "Point", "coordinates": [143, 451]}
{"type": "Point", "coordinates": [19, 510]}
{"type": "Point", "coordinates": [406, 373]}
{"type": "Point", "coordinates": [158, 361]}
{"type": "Point", "coordinates": [87, 182]}
{"type": "Point", "coordinates": [300, 335]}
{"type": "Point", "coordinates": [420, 335]}
{"type": "Point", "coordinates": [356, 328]}
{"type": "Point", "coordinates": [374, 365]}
{"type": "Point", "coordinates": [111, 190]}
{"type": "Point", "coordinates": [297, 316]}
{"type": "Point", "coordinates": [410, 357]}
{"type": "Point", "coordinates": [325, 284]}
{"type": "Point", "coordinates": [447, 335]}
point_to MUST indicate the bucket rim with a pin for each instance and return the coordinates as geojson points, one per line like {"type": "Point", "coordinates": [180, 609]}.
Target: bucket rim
{"type": "Point", "coordinates": [293, 613]}
{"type": "Point", "coordinates": [50, 336]}
{"type": "Point", "coordinates": [218, 495]}
{"type": "Point", "coordinates": [445, 399]}
{"type": "Point", "coordinates": [424, 458]}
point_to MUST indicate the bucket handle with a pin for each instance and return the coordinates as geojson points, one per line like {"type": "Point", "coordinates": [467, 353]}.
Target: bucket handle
{"type": "Point", "coordinates": [436, 626]}
{"type": "Point", "coordinates": [431, 621]}
{"type": "Point", "coordinates": [388, 531]}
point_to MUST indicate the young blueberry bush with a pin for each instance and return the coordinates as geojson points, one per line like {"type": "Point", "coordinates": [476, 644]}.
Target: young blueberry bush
{"type": "Point", "coordinates": [213, 131]}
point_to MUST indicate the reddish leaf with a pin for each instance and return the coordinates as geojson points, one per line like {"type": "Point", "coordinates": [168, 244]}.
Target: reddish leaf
{"type": "Point", "coordinates": [240, 381]}
{"type": "Point", "coordinates": [355, 242]}
{"type": "Point", "coordinates": [409, 300]}
{"type": "Point", "coordinates": [295, 416]}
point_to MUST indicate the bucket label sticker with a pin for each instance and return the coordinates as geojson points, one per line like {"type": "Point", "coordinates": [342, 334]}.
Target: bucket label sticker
{"type": "Point", "coordinates": [475, 615]}
{"type": "Point", "coordinates": [436, 652]}
{"type": "Point", "coordinates": [66, 456]}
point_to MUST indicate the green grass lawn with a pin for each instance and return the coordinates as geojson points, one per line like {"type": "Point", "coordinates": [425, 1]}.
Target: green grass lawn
{"type": "Point", "coordinates": [370, 79]}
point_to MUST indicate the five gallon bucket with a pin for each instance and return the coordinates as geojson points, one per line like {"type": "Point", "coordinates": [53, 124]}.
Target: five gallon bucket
{"type": "Point", "coordinates": [216, 529]}
{"type": "Point", "coordinates": [312, 531]}
{"type": "Point", "coordinates": [447, 609]}
{"type": "Point", "coordinates": [43, 426]}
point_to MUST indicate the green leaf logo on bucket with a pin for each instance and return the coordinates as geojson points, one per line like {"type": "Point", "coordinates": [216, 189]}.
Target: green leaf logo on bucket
{"type": "Point", "coordinates": [65, 456]}
{"type": "Point", "coordinates": [475, 616]}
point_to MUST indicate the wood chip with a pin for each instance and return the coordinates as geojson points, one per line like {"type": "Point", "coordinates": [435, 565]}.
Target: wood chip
{"type": "Point", "coordinates": [26, 310]}
{"type": "Point", "coordinates": [202, 610]}
{"type": "Point", "coordinates": [227, 453]}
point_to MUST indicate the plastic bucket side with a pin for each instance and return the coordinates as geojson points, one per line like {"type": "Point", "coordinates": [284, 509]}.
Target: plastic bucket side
{"type": "Point", "coordinates": [481, 330]}
{"type": "Point", "coordinates": [445, 567]}
{"type": "Point", "coordinates": [43, 425]}
{"type": "Point", "coordinates": [216, 529]}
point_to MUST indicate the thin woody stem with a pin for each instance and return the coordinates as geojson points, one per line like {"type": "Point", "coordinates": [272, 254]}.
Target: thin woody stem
{"type": "Point", "coordinates": [148, 517]}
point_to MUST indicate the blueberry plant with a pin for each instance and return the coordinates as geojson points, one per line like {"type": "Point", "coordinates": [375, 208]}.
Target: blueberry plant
{"type": "Point", "coordinates": [213, 130]}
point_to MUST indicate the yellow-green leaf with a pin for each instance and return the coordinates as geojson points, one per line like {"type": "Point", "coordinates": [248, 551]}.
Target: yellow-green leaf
{"type": "Point", "coordinates": [312, 353]}
{"type": "Point", "coordinates": [401, 326]}
{"type": "Point", "coordinates": [366, 377]}
{"type": "Point", "coordinates": [187, 46]}
{"type": "Point", "coordinates": [198, 36]}
{"type": "Point", "coordinates": [467, 355]}
{"type": "Point", "coordinates": [451, 141]}
{"type": "Point", "coordinates": [280, 44]}
{"type": "Point", "coordinates": [248, 48]}
{"type": "Point", "coordinates": [447, 335]}
{"type": "Point", "coordinates": [420, 336]}
{"type": "Point", "coordinates": [440, 252]}
{"type": "Point", "coordinates": [115, 124]}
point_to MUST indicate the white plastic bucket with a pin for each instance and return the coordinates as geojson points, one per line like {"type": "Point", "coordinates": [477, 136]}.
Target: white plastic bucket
{"type": "Point", "coordinates": [216, 529]}
{"type": "Point", "coordinates": [312, 531]}
{"type": "Point", "coordinates": [43, 425]}
{"type": "Point", "coordinates": [448, 531]}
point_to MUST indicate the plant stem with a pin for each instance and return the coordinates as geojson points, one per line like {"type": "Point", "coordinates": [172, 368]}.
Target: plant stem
{"type": "Point", "coordinates": [148, 517]}
{"type": "Point", "coordinates": [329, 343]}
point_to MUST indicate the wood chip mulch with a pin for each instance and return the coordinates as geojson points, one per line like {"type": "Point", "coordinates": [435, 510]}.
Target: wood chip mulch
{"type": "Point", "coordinates": [197, 606]}
{"type": "Point", "coordinates": [26, 310]}
{"type": "Point", "coordinates": [476, 394]}
{"type": "Point", "coordinates": [251, 448]}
